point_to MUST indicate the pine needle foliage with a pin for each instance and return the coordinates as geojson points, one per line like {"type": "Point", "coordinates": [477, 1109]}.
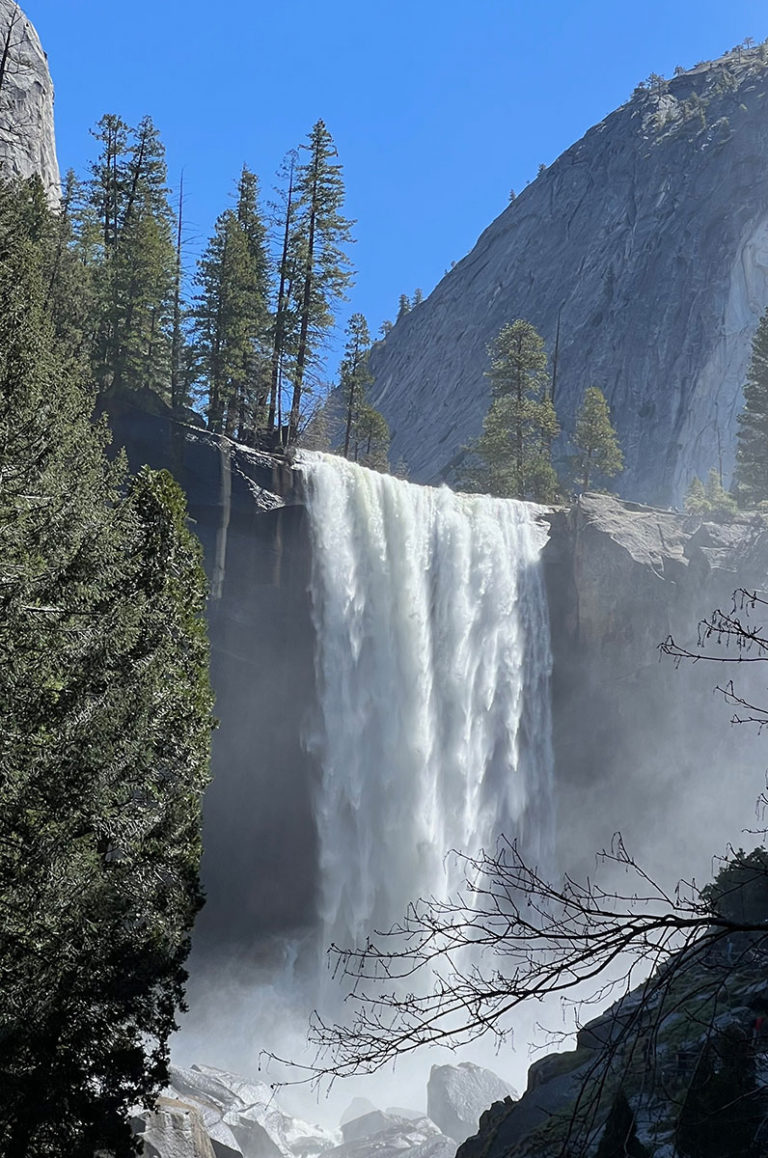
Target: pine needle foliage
{"type": "Point", "coordinates": [594, 437]}
{"type": "Point", "coordinates": [512, 458]}
{"type": "Point", "coordinates": [105, 718]}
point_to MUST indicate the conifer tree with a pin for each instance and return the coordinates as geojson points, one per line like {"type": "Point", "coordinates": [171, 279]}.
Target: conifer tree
{"type": "Point", "coordinates": [283, 329]}
{"type": "Point", "coordinates": [355, 375]}
{"type": "Point", "coordinates": [136, 266]}
{"type": "Point", "coordinates": [512, 457]}
{"type": "Point", "coordinates": [696, 502]}
{"type": "Point", "coordinates": [403, 306]}
{"type": "Point", "coordinates": [595, 439]}
{"type": "Point", "coordinates": [371, 438]}
{"type": "Point", "coordinates": [323, 270]}
{"type": "Point", "coordinates": [231, 315]}
{"type": "Point", "coordinates": [104, 737]}
{"type": "Point", "coordinates": [751, 474]}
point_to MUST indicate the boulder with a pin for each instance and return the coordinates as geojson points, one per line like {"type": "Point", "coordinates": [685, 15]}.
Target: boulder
{"type": "Point", "coordinates": [458, 1095]}
{"type": "Point", "coordinates": [175, 1129]}
{"type": "Point", "coordinates": [380, 1135]}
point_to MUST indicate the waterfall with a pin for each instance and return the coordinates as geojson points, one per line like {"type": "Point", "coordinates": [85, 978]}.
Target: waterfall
{"type": "Point", "coordinates": [433, 662]}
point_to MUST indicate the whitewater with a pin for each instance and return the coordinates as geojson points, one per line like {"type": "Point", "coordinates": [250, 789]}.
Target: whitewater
{"type": "Point", "coordinates": [430, 732]}
{"type": "Point", "coordinates": [432, 728]}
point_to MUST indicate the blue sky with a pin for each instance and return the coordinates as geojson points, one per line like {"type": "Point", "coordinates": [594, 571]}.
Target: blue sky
{"type": "Point", "coordinates": [437, 107]}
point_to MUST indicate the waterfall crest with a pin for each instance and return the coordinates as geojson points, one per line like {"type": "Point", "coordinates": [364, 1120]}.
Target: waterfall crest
{"type": "Point", "coordinates": [433, 661]}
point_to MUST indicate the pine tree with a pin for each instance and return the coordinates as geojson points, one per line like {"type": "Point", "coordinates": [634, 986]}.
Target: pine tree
{"type": "Point", "coordinates": [231, 315]}
{"type": "Point", "coordinates": [512, 457]}
{"type": "Point", "coordinates": [751, 474]}
{"type": "Point", "coordinates": [403, 306]}
{"type": "Point", "coordinates": [283, 327]}
{"type": "Point", "coordinates": [371, 438]}
{"type": "Point", "coordinates": [323, 269]}
{"type": "Point", "coordinates": [136, 266]}
{"type": "Point", "coordinates": [595, 439]}
{"type": "Point", "coordinates": [104, 737]}
{"type": "Point", "coordinates": [722, 505]}
{"type": "Point", "coordinates": [696, 502]}
{"type": "Point", "coordinates": [355, 375]}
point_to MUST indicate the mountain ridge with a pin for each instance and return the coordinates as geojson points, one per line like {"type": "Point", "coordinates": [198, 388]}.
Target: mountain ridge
{"type": "Point", "coordinates": [644, 246]}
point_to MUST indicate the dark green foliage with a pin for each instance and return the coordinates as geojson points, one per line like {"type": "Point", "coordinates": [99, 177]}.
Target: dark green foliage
{"type": "Point", "coordinates": [355, 375]}
{"type": "Point", "coordinates": [751, 474]}
{"type": "Point", "coordinates": [371, 438]}
{"type": "Point", "coordinates": [104, 739]}
{"type": "Point", "coordinates": [317, 254]}
{"type": "Point", "coordinates": [723, 1106]}
{"type": "Point", "coordinates": [711, 501]}
{"type": "Point", "coordinates": [595, 439]}
{"type": "Point", "coordinates": [619, 1138]}
{"type": "Point", "coordinates": [366, 433]}
{"type": "Point", "coordinates": [133, 257]}
{"type": "Point", "coordinates": [512, 457]}
{"type": "Point", "coordinates": [232, 316]}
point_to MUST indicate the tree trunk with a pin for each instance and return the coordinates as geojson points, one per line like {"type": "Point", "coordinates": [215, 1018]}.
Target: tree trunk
{"type": "Point", "coordinates": [176, 385]}
{"type": "Point", "coordinates": [350, 409]}
{"type": "Point", "coordinates": [277, 348]}
{"type": "Point", "coordinates": [301, 355]}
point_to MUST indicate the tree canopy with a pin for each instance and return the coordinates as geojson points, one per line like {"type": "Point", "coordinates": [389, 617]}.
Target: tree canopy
{"type": "Point", "coordinates": [512, 457]}
{"type": "Point", "coordinates": [104, 744]}
{"type": "Point", "coordinates": [597, 447]}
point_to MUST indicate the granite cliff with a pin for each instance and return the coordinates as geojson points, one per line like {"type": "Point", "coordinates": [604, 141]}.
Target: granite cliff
{"type": "Point", "coordinates": [645, 247]}
{"type": "Point", "coordinates": [27, 143]}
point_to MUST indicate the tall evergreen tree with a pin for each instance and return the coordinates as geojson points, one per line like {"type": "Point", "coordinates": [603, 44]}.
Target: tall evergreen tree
{"type": "Point", "coordinates": [323, 268]}
{"type": "Point", "coordinates": [370, 437]}
{"type": "Point", "coordinates": [595, 439]}
{"type": "Point", "coordinates": [283, 328]}
{"type": "Point", "coordinates": [512, 457]}
{"type": "Point", "coordinates": [355, 375]}
{"type": "Point", "coordinates": [231, 315]}
{"type": "Point", "coordinates": [751, 475]}
{"type": "Point", "coordinates": [104, 735]}
{"type": "Point", "coordinates": [136, 268]}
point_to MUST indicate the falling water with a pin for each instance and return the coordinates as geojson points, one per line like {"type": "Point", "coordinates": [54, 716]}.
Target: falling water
{"type": "Point", "coordinates": [433, 664]}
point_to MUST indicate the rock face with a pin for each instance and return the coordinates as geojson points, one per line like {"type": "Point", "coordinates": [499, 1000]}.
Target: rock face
{"type": "Point", "coordinates": [647, 1044]}
{"type": "Point", "coordinates": [210, 1113]}
{"type": "Point", "coordinates": [458, 1095]}
{"type": "Point", "coordinates": [259, 863]}
{"type": "Point", "coordinates": [388, 1135]}
{"type": "Point", "coordinates": [642, 253]}
{"type": "Point", "coordinates": [27, 142]}
{"type": "Point", "coordinates": [635, 737]}
{"type": "Point", "coordinates": [175, 1130]}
